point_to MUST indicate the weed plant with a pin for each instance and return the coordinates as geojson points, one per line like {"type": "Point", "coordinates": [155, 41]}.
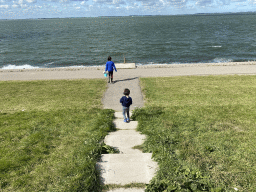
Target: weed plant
{"type": "Point", "coordinates": [201, 131]}
{"type": "Point", "coordinates": [51, 135]}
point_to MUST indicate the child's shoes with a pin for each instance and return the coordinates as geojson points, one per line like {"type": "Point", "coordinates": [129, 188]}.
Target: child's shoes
{"type": "Point", "coordinates": [125, 120]}
{"type": "Point", "coordinates": [128, 120]}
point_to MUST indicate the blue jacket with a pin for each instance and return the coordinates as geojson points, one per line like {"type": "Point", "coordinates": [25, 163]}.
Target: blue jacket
{"type": "Point", "coordinates": [110, 65]}
{"type": "Point", "coordinates": [126, 102]}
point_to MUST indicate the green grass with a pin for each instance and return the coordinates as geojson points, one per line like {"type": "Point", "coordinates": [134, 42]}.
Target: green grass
{"type": "Point", "coordinates": [201, 131]}
{"type": "Point", "coordinates": [51, 133]}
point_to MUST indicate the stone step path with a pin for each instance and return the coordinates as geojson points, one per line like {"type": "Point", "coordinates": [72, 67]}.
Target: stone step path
{"type": "Point", "coordinates": [130, 165]}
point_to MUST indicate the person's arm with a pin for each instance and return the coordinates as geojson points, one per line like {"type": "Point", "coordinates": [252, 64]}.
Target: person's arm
{"type": "Point", "coordinates": [114, 66]}
{"type": "Point", "coordinates": [121, 100]}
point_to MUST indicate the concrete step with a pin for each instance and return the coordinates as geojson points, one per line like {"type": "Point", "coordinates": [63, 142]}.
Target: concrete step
{"type": "Point", "coordinates": [127, 190]}
{"type": "Point", "coordinates": [120, 124]}
{"type": "Point", "coordinates": [126, 168]}
{"type": "Point", "coordinates": [124, 140]}
{"type": "Point", "coordinates": [119, 115]}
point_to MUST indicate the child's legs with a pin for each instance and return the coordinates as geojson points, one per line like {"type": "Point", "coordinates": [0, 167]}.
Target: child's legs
{"type": "Point", "coordinates": [108, 76]}
{"type": "Point", "coordinates": [110, 73]}
{"type": "Point", "coordinates": [128, 114]}
{"type": "Point", "coordinates": [125, 111]}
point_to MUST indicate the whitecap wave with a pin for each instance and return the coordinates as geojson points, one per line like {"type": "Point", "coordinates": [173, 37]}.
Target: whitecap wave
{"type": "Point", "coordinates": [151, 63]}
{"type": "Point", "coordinates": [47, 64]}
{"type": "Point", "coordinates": [216, 46]}
{"type": "Point", "coordinates": [26, 66]}
{"type": "Point", "coordinates": [81, 66]}
{"type": "Point", "coordinates": [10, 66]}
{"type": "Point", "coordinates": [222, 60]}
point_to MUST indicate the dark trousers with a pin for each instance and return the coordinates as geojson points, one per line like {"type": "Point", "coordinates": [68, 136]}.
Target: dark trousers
{"type": "Point", "coordinates": [110, 74]}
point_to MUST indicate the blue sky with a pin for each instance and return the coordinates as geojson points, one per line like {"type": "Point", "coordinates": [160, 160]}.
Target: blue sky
{"type": "Point", "coordinates": [22, 9]}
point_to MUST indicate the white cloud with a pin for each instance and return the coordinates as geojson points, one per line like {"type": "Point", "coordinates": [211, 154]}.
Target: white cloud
{"type": "Point", "coordinates": [38, 6]}
{"type": "Point", "coordinates": [241, 4]}
{"type": "Point", "coordinates": [80, 0]}
{"type": "Point", "coordinates": [118, 2]}
{"type": "Point", "coordinates": [148, 2]}
{"type": "Point", "coordinates": [123, 7]}
{"type": "Point", "coordinates": [134, 6]}
{"type": "Point", "coordinates": [237, 0]}
{"type": "Point", "coordinates": [224, 2]}
{"type": "Point", "coordinates": [15, 6]}
{"type": "Point", "coordinates": [31, 1]}
{"type": "Point", "coordinates": [103, 1]}
{"type": "Point", "coordinates": [64, 1]}
{"type": "Point", "coordinates": [203, 3]}
{"type": "Point", "coordinates": [178, 3]}
{"type": "Point", "coordinates": [4, 6]}
{"type": "Point", "coordinates": [164, 2]}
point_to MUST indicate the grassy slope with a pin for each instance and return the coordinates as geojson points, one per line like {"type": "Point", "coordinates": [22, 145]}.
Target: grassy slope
{"type": "Point", "coordinates": [50, 134]}
{"type": "Point", "coordinates": [201, 131]}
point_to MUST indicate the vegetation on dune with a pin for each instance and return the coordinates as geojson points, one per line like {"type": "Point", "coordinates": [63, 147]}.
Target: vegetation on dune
{"type": "Point", "coordinates": [201, 132]}
{"type": "Point", "coordinates": [51, 133]}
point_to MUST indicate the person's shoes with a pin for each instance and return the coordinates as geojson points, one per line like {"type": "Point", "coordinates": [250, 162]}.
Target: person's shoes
{"type": "Point", "coordinates": [125, 120]}
{"type": "Point", "coordinates": [108, 82]}
{"type": "Point", "coordinates": [128, 120]}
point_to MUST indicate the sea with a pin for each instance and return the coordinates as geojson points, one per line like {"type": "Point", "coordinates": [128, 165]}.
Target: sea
{"type": "Point", "coordinates": [144, 40]}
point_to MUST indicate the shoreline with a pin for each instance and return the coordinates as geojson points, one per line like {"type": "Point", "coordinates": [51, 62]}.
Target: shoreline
{"type": "Point", "coordinates": [163, 70]}
{"type": "Point", "coordinates": [137, 66]}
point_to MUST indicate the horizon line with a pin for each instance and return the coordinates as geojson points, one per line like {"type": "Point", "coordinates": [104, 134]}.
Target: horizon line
{"type": "Point", "coordinates": [148, 15]}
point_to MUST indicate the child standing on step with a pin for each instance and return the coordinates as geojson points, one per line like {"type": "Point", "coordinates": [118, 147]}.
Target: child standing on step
{"type": "Point", "coordinates": [126, 102]}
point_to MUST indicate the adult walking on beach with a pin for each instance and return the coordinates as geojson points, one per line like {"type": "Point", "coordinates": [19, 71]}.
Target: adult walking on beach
{"type": "Point", "coordinates": [109, 67]}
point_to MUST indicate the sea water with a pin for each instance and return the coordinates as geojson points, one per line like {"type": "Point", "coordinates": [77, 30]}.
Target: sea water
{"type": "Point", "coordinates": [74, 42]}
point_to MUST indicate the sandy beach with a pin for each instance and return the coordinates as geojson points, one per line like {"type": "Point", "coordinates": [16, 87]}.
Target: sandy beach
{"type": "Point", "coordinates": [163, 70]}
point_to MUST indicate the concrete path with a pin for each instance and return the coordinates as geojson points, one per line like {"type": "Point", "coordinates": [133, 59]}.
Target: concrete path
{"type": "Point", "coordinates": [130, 165]}
{"type": "Point", "coordinates": [245, 68]}
{"type": "Point", "coordinates": [111, 99]}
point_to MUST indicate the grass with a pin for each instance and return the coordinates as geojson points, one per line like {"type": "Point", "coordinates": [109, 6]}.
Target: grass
{"type": "Point", "coordinates": [201, 131]}
{"type": "Point", "coordinates": [51, 135]}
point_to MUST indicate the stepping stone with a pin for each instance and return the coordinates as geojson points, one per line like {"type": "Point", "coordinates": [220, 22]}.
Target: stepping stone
{"type": "Point", "coordinates": [120, 124]}
{"type": "Point", "coordinates": [126, 168]}
{"type": "Point", "coordinates": [127, 190]}
{"type": "Point", "coordinates": [124, 140]}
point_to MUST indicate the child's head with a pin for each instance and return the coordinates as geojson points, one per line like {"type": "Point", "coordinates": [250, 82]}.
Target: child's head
{"type": "Point", "coordinates": [109, 58]}
{"type": "Point", "coordinates": [126, 92]}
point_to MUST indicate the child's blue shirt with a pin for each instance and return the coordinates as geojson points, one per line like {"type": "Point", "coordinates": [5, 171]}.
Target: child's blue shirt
{"type": "Point", "coordinates": [110, 65]}
{"type": "Point", "coordinates": [126, 102]}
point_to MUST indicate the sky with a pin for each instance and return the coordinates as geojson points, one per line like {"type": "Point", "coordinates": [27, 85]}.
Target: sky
{"type": "Point", "coordinates": [24, 9]}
